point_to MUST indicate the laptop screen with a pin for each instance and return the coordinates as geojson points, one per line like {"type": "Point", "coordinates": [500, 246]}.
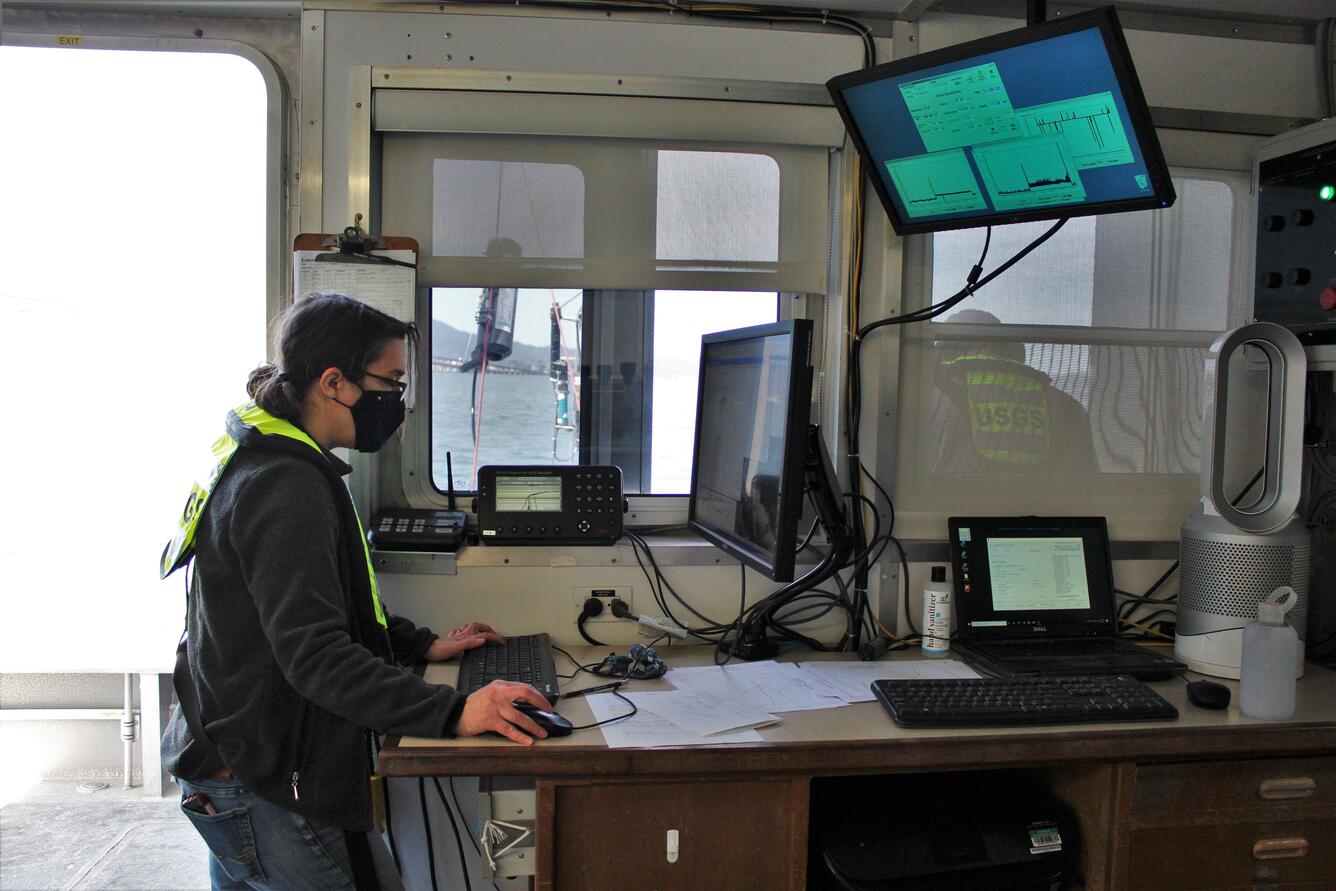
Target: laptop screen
{"type": "Point", "coordinates": [1032, 576]}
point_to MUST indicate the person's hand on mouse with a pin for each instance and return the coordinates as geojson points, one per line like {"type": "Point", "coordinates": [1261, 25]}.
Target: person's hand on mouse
{"type": "Point", "coordinates": [465, 637]}
{"type": "Point", "coordinates": [491, 709]}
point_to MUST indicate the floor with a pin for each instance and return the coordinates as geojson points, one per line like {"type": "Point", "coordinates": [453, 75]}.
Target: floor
{"type": "Point", "coordinates": [56, 837]}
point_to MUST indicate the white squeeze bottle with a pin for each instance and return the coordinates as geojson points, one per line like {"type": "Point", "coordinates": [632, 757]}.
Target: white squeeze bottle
{"type": "Point", "coordinates": [1270, 654]}
{"type": "Point", "coordinates": [937, 614]}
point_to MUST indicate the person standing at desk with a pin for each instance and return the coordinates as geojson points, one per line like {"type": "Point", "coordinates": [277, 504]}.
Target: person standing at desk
{"type": "Point", "coordinates": [292, 661]}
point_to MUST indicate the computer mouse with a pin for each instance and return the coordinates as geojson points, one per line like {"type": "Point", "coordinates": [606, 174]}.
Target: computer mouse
{"type": "Point", "coordinates": [553, 723]}
{"type": "Point", "coordinates": [1208, 694]}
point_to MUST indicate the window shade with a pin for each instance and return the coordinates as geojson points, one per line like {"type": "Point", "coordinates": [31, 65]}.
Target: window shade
{"type": "Point", "coordinates": [1072, 384]}
{"type": "Point", "coordinates": [708, 202]}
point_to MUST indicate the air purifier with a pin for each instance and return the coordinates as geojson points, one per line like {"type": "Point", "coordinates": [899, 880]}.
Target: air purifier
{"type": "Point", "coordinates": [1231, 557]}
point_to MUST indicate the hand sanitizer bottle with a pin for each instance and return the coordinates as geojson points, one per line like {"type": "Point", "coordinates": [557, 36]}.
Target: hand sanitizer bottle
{"type": "Point", "coordinates": [1270, 654]}
{"type": "Point", "coordinates": [937, 614]}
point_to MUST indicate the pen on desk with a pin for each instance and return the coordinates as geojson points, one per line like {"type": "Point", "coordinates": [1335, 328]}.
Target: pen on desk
{"type": "Point", "coordinates": [602, 688]}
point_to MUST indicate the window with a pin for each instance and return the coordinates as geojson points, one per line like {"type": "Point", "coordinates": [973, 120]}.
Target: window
{"type": "Point", "coordinates": [574, 377]}
{"type": "Point", "coordinates": [128, 331]}
{"type": "Point", "coordinates": [1083, 363]}
{"type": "Point", "coordinates": [603, 372]}
{"type": "Point", "coordinates": [643, 221]}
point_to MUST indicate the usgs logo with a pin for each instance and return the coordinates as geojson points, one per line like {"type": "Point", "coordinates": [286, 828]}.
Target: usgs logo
{"type": "Point", "coordinates": [1003, 417]}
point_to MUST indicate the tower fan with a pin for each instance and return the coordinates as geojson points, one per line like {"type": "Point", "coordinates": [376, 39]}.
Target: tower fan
{"type": "Point", "coordinates": [1231, 557]}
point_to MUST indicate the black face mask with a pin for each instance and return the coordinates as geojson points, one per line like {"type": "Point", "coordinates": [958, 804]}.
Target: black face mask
{"type": "Point", "coordinates": [375, 417]}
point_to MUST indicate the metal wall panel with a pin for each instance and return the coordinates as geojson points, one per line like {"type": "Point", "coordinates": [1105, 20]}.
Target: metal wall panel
{"type": "Point", "coordinates": [583, 45]}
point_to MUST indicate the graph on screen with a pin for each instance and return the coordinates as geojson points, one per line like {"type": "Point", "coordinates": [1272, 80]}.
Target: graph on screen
{"type": "Point", "coordinates": [1034, 172]}
{"type": "Point", "coordinates": [528, 493]}
{"type": "Point", "coordinates": [938, 183]}
{"type": "Point", "coordinates": [1090, 126]}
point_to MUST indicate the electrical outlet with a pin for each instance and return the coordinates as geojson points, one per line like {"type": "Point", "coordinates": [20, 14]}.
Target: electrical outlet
{"type": "Point", "coordinates": [607, 595]}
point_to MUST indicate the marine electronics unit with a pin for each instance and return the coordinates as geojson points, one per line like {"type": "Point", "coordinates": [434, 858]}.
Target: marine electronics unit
{"type": "Point", "coordinates": [1294, 178]}
{"type": "Point", "coordinates": [549, 505]}
{"type": "Point", "coordinates": [1040, 123]}
{"type": "Point", "coordinates": [417, 529]}
{"type": "Point", "coordinates": [1233, 554]}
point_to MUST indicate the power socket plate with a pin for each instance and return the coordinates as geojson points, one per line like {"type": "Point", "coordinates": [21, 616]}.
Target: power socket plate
{"type": "Point", "coordinates": [607, 595]}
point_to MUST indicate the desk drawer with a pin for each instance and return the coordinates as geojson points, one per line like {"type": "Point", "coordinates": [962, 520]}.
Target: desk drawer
{"type": "Point", "coordinates": [1275, 782]}
{"type": "Point", "coordinates": [1242, 854]}
{"type": "Point", "coordinates": [681, 835]}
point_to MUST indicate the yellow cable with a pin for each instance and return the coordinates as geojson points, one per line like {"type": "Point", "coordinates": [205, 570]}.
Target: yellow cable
{"type": "Point", "coordinates": [900, 640]}
{"type": "Point", "coordinates": [1147, 629]}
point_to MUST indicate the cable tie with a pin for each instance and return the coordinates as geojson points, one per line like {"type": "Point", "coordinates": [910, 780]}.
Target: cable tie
{"type": "Point", "coordinates": [825, 15]}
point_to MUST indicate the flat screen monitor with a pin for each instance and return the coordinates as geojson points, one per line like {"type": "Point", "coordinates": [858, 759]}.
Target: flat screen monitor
{"type": "Point", "coordinates": [752, 408]}
{"type": "Point", "coordinates": [1039, 123]}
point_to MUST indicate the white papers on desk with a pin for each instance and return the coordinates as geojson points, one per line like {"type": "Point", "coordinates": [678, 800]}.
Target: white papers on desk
{"type": "Point", "coordinates": [700, 712]}
{"type": "Point", "coordinates": [648, 730]}
{"type": "Point", "coordinates": [769, 687]}
{"type": "Point", "coordinates": [852, 681]}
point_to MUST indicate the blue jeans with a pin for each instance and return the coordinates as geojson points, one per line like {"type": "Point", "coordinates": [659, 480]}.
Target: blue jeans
{"type": "Point", "coordinates": [258, 846]}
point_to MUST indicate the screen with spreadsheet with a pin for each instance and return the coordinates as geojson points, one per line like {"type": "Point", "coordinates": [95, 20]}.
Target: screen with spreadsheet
{"type": "Point", "coordinates": [1039, 123]}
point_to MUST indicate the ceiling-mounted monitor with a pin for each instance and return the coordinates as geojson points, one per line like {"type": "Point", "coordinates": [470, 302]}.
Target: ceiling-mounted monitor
{"type": "Point", "coordinates": [1039, 123]}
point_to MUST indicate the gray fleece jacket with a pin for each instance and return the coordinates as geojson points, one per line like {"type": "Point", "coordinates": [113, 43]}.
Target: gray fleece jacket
{"type": "Point", "coordinates": [290, 672]}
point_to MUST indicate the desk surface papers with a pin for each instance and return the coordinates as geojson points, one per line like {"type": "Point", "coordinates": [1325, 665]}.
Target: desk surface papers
{"type": "Point", "coordinates": [852, 681]}
{"type": "Point", "coordinates": [761, 686]}
{"type": "Point", "coordinates": [648, 730]}
{"type": "Point", "coordinates": [712, 702]}
{"type": "Point", "coordinates": [700, 712]}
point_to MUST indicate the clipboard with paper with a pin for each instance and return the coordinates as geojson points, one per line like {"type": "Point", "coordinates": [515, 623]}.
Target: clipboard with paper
{"type": "Point", "coordinates": [378, 270]}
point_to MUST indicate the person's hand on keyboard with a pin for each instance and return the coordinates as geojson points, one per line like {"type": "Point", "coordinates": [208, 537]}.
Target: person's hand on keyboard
{"type": "Point", "coordinates": [466, 637]}
{"type": "Point", "coordinates": [491, 709]}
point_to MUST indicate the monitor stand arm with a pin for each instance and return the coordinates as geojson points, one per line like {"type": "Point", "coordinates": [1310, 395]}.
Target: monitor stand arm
{"type": "Point", "coordinates": [752, 641]}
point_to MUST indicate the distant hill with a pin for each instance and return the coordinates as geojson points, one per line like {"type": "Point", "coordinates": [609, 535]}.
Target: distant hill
{"type": "Point", "coordinates": [448, 342]}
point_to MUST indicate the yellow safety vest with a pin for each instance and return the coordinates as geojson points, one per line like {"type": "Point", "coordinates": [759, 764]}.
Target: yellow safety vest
{"type": "Point", "coordinates": [181, 548]}
{"type": "Point", "coordinates": [1008, 408]}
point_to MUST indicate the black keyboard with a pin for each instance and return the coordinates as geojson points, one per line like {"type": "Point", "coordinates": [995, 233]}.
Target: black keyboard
{"type": "Point", "coordinates": [526, 658]}
{"type": "Point", "coordinates": [1000, 702]}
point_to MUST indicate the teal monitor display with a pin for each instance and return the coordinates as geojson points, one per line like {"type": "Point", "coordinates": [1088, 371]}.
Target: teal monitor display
{"type": "Point", "coordinates": [1040, 123]}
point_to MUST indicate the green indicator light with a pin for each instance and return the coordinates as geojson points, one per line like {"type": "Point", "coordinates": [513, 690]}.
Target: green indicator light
{"type": "Point", "coordinates": [1326, 193]}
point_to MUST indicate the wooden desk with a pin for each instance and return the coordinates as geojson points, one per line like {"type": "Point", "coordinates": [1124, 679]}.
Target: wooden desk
{"type": "Point", "coordinates": [1212, 800]}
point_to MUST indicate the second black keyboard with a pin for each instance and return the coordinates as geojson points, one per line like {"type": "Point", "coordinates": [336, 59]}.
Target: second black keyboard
{"type": "Point", "coordinates": [525, 658]}
{"type": "Point", "coordinates": [1001, 702]}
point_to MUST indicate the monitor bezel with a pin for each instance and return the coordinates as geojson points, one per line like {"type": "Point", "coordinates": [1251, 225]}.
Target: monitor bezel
{"type": "Point", "coordinates": [1097, 620]}
{"type": "Point", "coordinates": [1162, 192]}
{"type": "Point", "coordinates": [779, 565]}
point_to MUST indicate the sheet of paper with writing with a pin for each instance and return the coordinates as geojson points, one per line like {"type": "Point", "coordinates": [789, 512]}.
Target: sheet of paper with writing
{"type": "Point", "coordinates": [389, 288]}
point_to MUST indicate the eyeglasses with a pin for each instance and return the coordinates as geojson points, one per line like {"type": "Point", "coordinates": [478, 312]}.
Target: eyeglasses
{"type": "Point", "coordinates": [400, 387]}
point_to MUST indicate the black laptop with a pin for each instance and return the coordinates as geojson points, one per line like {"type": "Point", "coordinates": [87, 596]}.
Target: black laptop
{"type": "Point", "coordinates": [1034, 596]}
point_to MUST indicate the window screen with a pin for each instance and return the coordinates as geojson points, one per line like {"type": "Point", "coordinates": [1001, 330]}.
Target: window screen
{"type": "Point", "coordinates": [1073, 383]}
{"type": "Point", "coordinates": [483, 208]}
{"type": "Point", "coordinates": [568, 212]}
